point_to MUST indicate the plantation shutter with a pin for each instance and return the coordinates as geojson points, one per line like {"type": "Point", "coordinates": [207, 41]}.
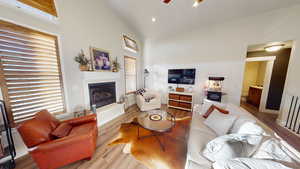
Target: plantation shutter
{"type": "Point", "coordinates": [30, 73]}
{"type": "Point", "coordinates": [130, 74]}
{"type": "Point", "coordinates": [47, 6]}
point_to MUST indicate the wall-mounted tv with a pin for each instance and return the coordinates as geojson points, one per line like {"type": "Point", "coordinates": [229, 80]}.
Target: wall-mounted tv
{"type": "Point", "coordinates": [181, 76]}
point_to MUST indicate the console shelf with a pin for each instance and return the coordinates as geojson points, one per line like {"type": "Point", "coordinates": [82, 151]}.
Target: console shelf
{"type": "Point", "coordinates": [181, 100]}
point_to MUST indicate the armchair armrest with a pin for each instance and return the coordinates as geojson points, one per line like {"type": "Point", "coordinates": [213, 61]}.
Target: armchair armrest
{"type": "Point", "coordinates": [81, 120]}
{"type": "Point", "coordinates": [62, 143]}
{"type": "Point", "coordinates": [57, 153]}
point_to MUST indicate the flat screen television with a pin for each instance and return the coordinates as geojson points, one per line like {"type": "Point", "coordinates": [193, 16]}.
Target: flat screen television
{"type": "Point", "coordinates": [181, 76]}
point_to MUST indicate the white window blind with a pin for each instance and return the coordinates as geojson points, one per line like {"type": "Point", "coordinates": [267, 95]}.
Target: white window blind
{"type": "Point", "coordinates": [30, 72]}
{"type": "Point", "coordinates": [130, 74]}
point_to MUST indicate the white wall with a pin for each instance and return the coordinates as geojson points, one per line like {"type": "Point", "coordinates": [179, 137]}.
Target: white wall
{"type": "Point", "coordinates": [221, 49]}
{"type": "Point", "coordinates": [81, 24]}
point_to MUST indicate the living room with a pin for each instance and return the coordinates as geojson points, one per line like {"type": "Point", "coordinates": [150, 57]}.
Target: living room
{"type": "Point", "coordinates": [208, 36]}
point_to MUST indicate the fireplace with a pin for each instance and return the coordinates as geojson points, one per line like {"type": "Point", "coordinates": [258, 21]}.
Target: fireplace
{"type": "Point", "coordinates": [102, 94]}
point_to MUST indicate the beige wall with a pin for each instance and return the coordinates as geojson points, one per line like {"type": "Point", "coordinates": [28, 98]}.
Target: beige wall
{"type": "Point", "coordinates": [254, 75]}
{"type": "Point", "coordinates": [261, 73]}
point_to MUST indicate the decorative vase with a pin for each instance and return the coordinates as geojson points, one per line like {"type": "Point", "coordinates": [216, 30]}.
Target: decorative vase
{"type": "Point", "coordinates": [114, 69]}
{"type": "Point", "coordinates": [84, 67]}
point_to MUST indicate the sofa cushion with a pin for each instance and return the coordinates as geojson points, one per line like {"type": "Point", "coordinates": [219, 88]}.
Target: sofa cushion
{"type": "Point", "coordinates": [196, 144]}
{"type": "Point", "coordinates": [212, 108]}
{"type": "Point", "coordinates": [62, 130]}
{"type": "Point", "coordinates": [248, 163]}
{"type": "Point", "coordinates": [207, 103]}
{"type": "Point", "coordinates": [47, 117]}
{"type": "Point", "coordinates": [193, 165]}
{"type": "Point", "coordinates": [219, 122]}
{"type": "Point", "coordinates": [34, 132]}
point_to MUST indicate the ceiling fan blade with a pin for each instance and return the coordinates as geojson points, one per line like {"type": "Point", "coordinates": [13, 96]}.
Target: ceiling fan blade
{"type": "Point", "coordinates": [167, 1]}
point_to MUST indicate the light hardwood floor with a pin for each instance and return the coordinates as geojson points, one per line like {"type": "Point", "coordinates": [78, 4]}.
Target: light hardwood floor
{"type": "Point", "coordinates": [105, 157]}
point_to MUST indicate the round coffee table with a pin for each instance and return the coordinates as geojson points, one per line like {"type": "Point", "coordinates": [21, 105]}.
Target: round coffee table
{"type": "Point", "coordinates": [156, 121]}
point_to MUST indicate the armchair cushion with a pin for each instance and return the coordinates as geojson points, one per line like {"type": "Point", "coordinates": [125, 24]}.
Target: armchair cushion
{"type": "Point", "coordinates": [82, 120]}
{"type": "Point", "coordinates": [62, 130]}
{"type": "Point", "coordinates": [47, 117]}
{"type": "Point", "coordinates": [34, 132]}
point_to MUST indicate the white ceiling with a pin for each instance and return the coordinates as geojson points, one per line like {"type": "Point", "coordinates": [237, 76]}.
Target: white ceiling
{"type": "Point", "coordinates": [180, 16]}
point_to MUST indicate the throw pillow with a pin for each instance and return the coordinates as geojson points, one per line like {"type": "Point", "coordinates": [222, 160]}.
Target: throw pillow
{"type": "Point", "coordinates": [62, 130]}
{"type": "Point", "coordinates": [47, 117]}
{"type": "Point", "coordinates": [220, 122]}
{"type": "Point", "coordinates": [248, 163]}
{"type": "Point", "coordinates": [212, 108]}
{"type": "Point", "coordinates": [141, 91]}
{"type": "Point", "coordinates": [149, 98]}
{"type": "Point", "coordinates": [207, 103]}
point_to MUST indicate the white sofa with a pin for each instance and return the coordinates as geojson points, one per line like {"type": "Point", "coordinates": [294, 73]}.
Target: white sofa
{"type": "Point", "coordinates": [152, 104]}
{"type": "Point", "coordinates": [200, 135]}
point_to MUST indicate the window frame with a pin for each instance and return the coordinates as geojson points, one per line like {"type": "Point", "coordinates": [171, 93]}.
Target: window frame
{"type": "Point", "coordinates": [133, 58]}
{"type": "Point", "coordinates": [36, 4]}
{"type": "Point", "coordinates": [4, 88]}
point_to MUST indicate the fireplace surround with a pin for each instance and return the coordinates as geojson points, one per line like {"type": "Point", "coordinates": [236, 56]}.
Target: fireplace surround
{"type": "Point", "coordinates": [102, 94]}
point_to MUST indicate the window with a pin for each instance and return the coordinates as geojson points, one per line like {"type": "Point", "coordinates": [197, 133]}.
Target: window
{"type": "Point", "coordinates": [47, 6]}
{"type": "Point", "coordinates": [30, 74]}
{"type": "Point", "coordinates": [130, 74]}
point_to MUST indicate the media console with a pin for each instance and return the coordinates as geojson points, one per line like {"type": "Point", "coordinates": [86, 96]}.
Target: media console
{"type": "Point", "coordinates": [181, 100]}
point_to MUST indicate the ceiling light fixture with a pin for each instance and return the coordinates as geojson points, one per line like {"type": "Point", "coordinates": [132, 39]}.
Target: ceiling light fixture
{"type": "Point", "coordinates": [153, 19]}
{"type": "Point", "coordinates": [274, 48]}
{"type": "Point", "coordinates": [196, 3]}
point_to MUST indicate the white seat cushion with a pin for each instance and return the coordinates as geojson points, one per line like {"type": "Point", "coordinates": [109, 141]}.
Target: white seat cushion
{"type": "Point", "coordinates": [219, 122]}
{"type": "Point", "coordinates": [248, 163]}
{"type": "Point", "coordinates": [193, 165]}
{"type": "Point", "coordinates": [196, 144]}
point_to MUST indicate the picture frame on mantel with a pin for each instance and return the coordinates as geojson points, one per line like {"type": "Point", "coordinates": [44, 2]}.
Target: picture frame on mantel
{"type": "Point", "coordinates": [100, 59]}
{"type": "Point", "coordinates": [130, 43]}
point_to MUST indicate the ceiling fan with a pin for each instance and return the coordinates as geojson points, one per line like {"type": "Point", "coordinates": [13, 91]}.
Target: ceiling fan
{"type": "Point", "coordinates": [196, 3]}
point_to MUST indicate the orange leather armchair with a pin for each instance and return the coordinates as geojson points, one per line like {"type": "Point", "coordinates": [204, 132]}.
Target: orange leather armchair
{"type": "Point", "coordinates": [49, 151]}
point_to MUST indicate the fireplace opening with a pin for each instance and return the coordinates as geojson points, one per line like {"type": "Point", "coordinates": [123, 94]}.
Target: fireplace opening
{"type": "Point", "coordinates": [102, 94]}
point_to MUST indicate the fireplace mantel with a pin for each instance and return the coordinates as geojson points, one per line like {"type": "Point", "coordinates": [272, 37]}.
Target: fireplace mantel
{"type": "Point", "coordinates": [99, 77]}
{"type": "Point", "coordinates": [109, 112]}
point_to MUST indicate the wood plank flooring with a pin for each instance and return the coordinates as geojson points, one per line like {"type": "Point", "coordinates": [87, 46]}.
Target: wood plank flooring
{"type": "Point", "coordinates": [105, 157]}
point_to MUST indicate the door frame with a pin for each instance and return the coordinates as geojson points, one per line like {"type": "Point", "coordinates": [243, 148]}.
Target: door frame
{"type": "Point", "coordinates": [267, 80]}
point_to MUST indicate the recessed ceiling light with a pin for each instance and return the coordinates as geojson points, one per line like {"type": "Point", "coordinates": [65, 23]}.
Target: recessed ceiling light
{"type": "Point", "coordinates": [153, 19]}
{"type": "Point", "coordinates": [196, 3]}
{"type": "Point", "coordinates": [274, 48]}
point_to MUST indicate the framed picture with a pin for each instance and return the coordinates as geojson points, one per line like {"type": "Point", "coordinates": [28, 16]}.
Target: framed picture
{"type": "Point", "coordinates": [100, 60]}
{"type": "Point", "coordinates": [130, 43]}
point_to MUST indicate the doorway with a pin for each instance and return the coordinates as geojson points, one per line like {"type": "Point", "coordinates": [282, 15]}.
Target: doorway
{"type": "Point", "coordinates": [257, 77]}
{"type": "Point", "coordinates": [265, 75]}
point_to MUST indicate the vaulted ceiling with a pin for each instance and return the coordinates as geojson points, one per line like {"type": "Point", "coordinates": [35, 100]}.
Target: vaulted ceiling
{"type": "Point", "coordinates": [179, 15]}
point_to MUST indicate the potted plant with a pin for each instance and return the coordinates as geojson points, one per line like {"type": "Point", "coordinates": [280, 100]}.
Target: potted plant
{"type": "Point", "coordinates": [83, 61]}
{"type": "Point", "coordinates": [115, 65]}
